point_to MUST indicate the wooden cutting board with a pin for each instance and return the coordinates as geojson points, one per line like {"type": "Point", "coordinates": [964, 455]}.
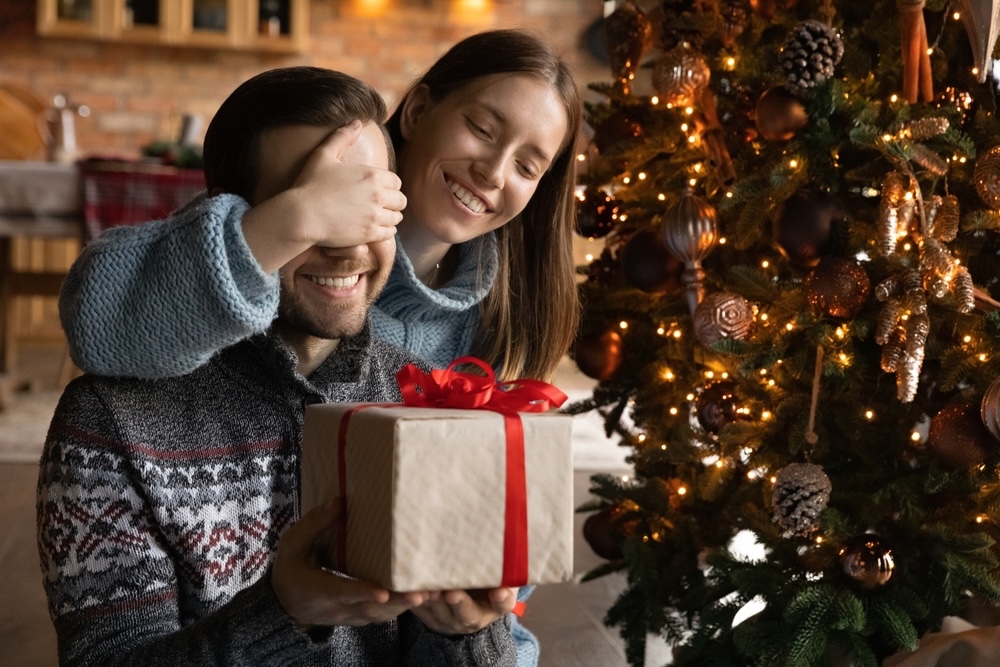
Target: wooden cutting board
{"type": "Point", "coordinates": [21, 123]}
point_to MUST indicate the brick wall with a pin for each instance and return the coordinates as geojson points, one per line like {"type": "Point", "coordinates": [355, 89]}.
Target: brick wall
{"type": "Point", "coordinates": [138, 94]}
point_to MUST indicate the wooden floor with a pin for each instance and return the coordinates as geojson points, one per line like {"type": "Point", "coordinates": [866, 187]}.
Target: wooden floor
{"type": "Point", "coordinates": [567, 618]}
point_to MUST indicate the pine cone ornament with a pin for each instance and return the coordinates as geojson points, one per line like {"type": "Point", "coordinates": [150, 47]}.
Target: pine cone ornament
{"type": "Point", "coordinates": [801, 492]}
{"type": "Point", "coordinates": [809, 55]}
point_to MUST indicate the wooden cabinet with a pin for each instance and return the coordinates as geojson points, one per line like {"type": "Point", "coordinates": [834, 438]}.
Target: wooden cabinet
{"type": "Point", "coordinates": [258, 25]}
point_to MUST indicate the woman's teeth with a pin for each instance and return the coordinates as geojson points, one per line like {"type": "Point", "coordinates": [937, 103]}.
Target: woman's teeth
{"type": "Point", "coordinates": [339, 283]}
{"type": "Point", "coordinates": [472, 202]}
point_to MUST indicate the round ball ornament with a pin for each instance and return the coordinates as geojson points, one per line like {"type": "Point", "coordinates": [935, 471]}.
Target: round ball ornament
{"type": "Point", "coordinates": [801, 493]}
{"type": "Point", "coordinates": [986, 176]}
{"type": "Point", "coordinates": [838, 287]}
{"type": "Point", "coordinates": [596, 213]}
{"type": "Point", "coordinates": [722, 315]}
{"type": "Point", "coordinates": [989, 409]}
{"type": "Point", "coordinates": [779, 114]}
{"type": "Point", "coordinates": [801, 226]}
{"type": "Point", "coordinates": [598, 354]}
{"type": "Point", "coordinates": [868, 561]}
{"type": "Point", "coordinates": [717, 406]}
{"type": "Point", "coordinates": [809, 55]}
{"type": "Point", "coordinates": [679, 75]}
{"type": "Point", "coordinates": [602, 533]}
{"type": "Point", "coordinates": [958, 438]}
{"type": "Point", "coordinates": [648, 265]}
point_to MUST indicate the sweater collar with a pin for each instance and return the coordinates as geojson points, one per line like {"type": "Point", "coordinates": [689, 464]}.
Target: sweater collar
{"type": "Point", "coordinates": [268, 355]}
{"type": "Point", "coordinates": [474, 275]}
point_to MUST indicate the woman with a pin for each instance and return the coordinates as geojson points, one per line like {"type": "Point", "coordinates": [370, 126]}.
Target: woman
{"type": "Point", "coordinates": [485, 155]}
{"type": "Point", "coordinates": [484, 142]}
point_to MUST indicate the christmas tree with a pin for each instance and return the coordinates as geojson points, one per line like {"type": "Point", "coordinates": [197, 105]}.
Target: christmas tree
{"type": "Point", "coordinates": [793, 324]}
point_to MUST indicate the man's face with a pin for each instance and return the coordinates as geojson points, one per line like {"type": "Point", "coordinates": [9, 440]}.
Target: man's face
{"type": "Point", "coordinates": [325, 292]}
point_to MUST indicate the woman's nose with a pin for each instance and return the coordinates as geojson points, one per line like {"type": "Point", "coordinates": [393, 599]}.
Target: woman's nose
{"type": "Point", "coordinates": [492, 169]}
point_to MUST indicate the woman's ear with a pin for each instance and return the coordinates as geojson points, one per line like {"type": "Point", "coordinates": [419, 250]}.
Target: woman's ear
{"type": "Point", "coordinates": [417, 101]}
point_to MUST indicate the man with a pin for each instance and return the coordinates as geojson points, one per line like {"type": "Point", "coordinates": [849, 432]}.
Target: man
{"type": "Point", "coordinates": [163, 505]}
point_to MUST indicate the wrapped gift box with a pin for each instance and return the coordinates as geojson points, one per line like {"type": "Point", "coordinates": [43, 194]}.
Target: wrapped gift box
{"type": "Point", "coordinates": [426, 492]}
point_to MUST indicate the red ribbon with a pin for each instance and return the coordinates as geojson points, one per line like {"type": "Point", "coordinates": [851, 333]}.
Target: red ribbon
{"type": "Point", "coordinates": [449, 388]}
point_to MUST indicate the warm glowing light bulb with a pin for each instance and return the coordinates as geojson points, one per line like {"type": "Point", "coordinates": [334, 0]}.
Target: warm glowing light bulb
{"type": "Point", "coordinates": [765, 264]}
{"type": "Point", "coordinates": [682, 490]}
{"type": "Point", "coordinates": [581, 157]}
{"type": "Point", "coordinates": [654, 100]}
{"type": "Point", "coordinates": [589, 257]}
{"type": "Point", "coordinates": [766, 414]}
{"type": "Point", "coordinates": [967, 339]}
{"type": "Point", "coordinates": [789, 326]}
{"type": "Point", "coordinates": [763, 317]}
{"type": "Point", "coordinates": [673, 411]}
{"type": "Point", "coordinates": [684, 127]}
{"type": "Point", "coordinates": [642, 175]}
{"type": "Point", "coordinates": [869, 415]}
{"type": "Point", "coordinates": [893, 98]}
{"type": "Point", "coordinates": [623, 324]}
{"type": "Point", "coordinates": [793, 164]}
{"type": "Point", "coordinates": [982, 357]}
{"type": "Point", "coordinates": [710, 374]}
{"type": "Point", "coordinates": [915, 437]}
{"type": "Point", "coordinates": [661, 330]}
{"type": "Point", "coordinates": [642, 437]}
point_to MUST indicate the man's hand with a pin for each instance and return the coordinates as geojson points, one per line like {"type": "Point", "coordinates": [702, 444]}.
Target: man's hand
{"type": "Point", "coordinates": [465, 612]}
{"type": "Point", "coordinates": [314, 596]}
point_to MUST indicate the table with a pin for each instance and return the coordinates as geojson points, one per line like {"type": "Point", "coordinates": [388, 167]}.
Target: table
{"type": "Point", "coordinates": [38, 200]}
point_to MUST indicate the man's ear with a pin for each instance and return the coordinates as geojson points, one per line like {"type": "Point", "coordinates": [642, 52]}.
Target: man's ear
{"type": "Point", "coordinates": [416, 103]}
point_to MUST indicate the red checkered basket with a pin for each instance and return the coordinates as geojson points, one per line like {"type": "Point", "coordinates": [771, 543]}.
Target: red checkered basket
{"type": "Point", "coordinates": [127, 193]}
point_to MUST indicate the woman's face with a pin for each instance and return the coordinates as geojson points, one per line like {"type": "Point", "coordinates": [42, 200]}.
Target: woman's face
{"type": "Point", "coordinates": [472, 161]}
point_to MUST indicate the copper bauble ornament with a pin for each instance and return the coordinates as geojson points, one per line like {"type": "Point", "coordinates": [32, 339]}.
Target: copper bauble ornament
{"type": "Point", "coordinates": [596, 213]}
{"type": "Point", "coordinates": [626, 32]}
{"type": "Point", "coordinates": [989, 409]}
{"type": "Point", "coordinates": [679, 75]}
{"type": "Point", "coordinates": [717, 406]}
{"type": "Point", "coordinates": [722, 315]}
{"type": "Point", "coordinates": [958, 438]}
{"type": "Point", "coordinates": [868, 561]}
{"type": "Point", "coordinates": [982, 23]}
{"type": "Point", "coordinates": [838, 287]}
{"type": "Point", "coordinates": [986, 176]}
{"type": "Point", "coordinates": [779, 114]}
{"type": "Point", "coordinates": [690, 230]}
{"type": "Point", "coordinates": [801, 493]}
{"type": "Point", "coordinates": [801, 226]}
{"type": "Point", "coordinates": [603, 534]}
{"type": "Point", "coordinates": [598, 354]}
{"type": "Point", "coordinates": [648, 265]}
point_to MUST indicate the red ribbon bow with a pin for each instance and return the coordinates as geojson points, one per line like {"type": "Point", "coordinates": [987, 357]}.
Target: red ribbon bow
{"type": "Point", "coordinates": [449, 388]}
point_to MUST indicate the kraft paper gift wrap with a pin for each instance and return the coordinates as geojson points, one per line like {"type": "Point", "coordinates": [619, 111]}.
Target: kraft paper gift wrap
{"type": "Point", "coordinates": [425, 493]}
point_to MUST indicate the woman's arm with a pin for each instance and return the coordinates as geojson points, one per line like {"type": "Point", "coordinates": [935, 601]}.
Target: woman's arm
{"type": "Point", "coordinates": [159, 299]}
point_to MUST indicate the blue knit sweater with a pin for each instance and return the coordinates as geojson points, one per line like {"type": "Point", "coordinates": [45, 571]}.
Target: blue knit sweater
{"type": "Point", "coordinates": [159, 300]}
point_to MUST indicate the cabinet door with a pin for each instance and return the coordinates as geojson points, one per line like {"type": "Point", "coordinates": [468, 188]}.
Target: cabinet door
{"type": "Point", "coordinates": [278, 25]}
{"type": "Point", "coordinates": [74, 18]}
{"type": "Point", "coordinates": [141, 21]}
{"type": "Point", "coordinates": [211, 23]}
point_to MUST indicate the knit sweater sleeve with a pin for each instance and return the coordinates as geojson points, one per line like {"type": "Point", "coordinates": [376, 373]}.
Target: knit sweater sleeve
{"type": "Point", "coordinates": [159, 299]}
{"type": "Point", "coordinates": [111, 582]}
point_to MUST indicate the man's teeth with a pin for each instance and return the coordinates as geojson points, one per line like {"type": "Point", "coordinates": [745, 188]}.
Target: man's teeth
{"type": "Point", "coordinates": [474, 203]}
{"type": "Point", "coordinates": [339, 283]}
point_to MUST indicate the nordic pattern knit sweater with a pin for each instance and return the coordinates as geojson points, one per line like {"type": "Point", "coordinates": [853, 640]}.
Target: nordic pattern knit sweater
{"type": "Point", "coordinates": [159, 299]}
{"type": "Point", "coordinates": [160, 504]}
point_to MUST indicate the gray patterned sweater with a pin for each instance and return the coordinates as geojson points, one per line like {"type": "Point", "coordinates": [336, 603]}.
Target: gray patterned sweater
{"type": "Point", "coordinates": [160, 504]}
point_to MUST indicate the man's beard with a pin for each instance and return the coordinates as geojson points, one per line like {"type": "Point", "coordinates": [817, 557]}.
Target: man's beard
{"type": "Point", "coordinates": [332, 325]}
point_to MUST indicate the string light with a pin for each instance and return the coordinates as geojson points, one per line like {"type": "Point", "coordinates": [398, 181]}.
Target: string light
{"type": "Point", "coordinates": [623, 324]}
{"type": "Point", "coordinates": [915, 436]}
{"type": "Point", "coordinates": [869, 415]}
{"type": "Point", "coordinates": [673, 413]}
{"type": "Point", "coordinates": [589, 257]}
